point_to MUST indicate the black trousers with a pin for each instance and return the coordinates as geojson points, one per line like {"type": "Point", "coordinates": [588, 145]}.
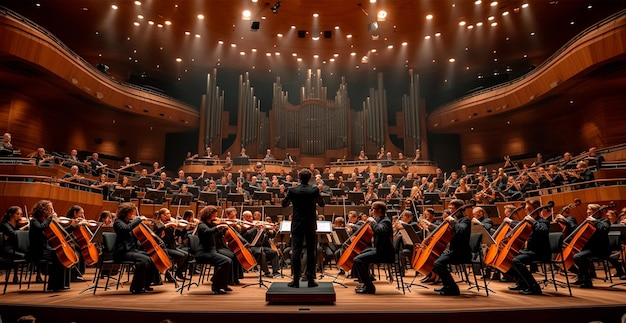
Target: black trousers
{"type": "Point", "coordinates": [297, 241]}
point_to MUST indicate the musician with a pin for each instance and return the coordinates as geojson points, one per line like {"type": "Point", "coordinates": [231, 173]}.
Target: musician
{"type": "Point", "coordinates": [394, 193]}
{"type": "Point", "coordinates": [381, 252]}
{"type": "Point", "coordinates": [242, 154]}
{"type": "Point", "coordinates": [262, 251]}
{"type": "Point", "coordinates": [268, 155]}
{"type": "Point", "coordinates": [127, 248]}
{"type": "Point", "coordinates": [581, 174]}
{"type": "Point", "coordinates": [180, 180]}
{"type": "Point", "coordinates": [40, 250]}
{"type": "Point", "coordinates": [513, 191]}
{"type": "Point", "coordinates": [156, 169]}
{"type": "Point", "coordinates": [165, 228]}
{"type": "Point", "coordinates": [6, 148]}
{"type": "Point", "coordinates": [537, 248]}
{"type": "Point", "coordinates": [72, 177]}
{"type": "Point", "coordinates": [458, 251]}
{"type": "Point", "coordinates": [567, 220]}
{"type": "Point", "coordinates": [554, 176]}
{"type": "Point", "coordinates": [615, 256]}
{"type": "Point", "coordinates": [41, 158]}
{"type": "Point", "coordinates": [95, 165]}
{"type": "Point", "coordinates": [567, 162]}
{"type": "Point", "coordinates": [127, 168]}
{"type": "Point", "coordinates": [303, 226]}
{"type": "Point", "coordinates": [463, 187]}
{"type": "Point", "coordinates": [479, 218]}
{"type": "Point", "coordinates": [388, 183]}
{"type": "Point", "coordinates": [106, 219]}
{"type": "Point", "coordinates": [594, 159]}
{"type": "Point", "coordinates": [73, 159]}
{"type": "Point", "coordinates": [596, 246]}
{"type": "Point", "coordinates": [362, 155]}
{"type": "Point", "coordinates": [354, 224]}
{"type": "Point", "coordinates": [75, 214]}
{"type": "Point", "coordinates": [381, 153]}
{"type": "Point", "coordinates": [370, 195]}
{"type": "Point", "coordinates": [9, 227]}
{"type": "Point", "coordinates": [208, 230]}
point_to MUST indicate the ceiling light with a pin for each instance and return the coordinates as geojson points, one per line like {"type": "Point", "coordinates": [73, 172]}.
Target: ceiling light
{"type": "Point", "coordinates": [294, 54]}
{"type": "Point", "coordinates": [160, 25]}
{"type": "Point", "coordinates": [349, 36]}
{"type": "Point", "coordinates": [242, 53]}
{"type": "Point", "coordinates": [114, 6]}
{"type": "Point", "coordinates": [233, 45]}
{"type": "Point", "coordinates": [167, 22]}
{"type": "Point", "coordinates": [293, 26]}
{"type": "Point", "coordinates": [493, 24]}
{"type": "Point", "coordinates": [140, 16]}
{"type": "Point", "coordinates": [246, 14]}
{"type": "Point", "coordinates": [200, 16]}
{"type": "Point", "coordinates": [353, 54]}
{"type": "Point", "coordinates": [150, 22]}
{"type": "Point", "coordinates": [268, 54]}
{"type": "Point", "coordinates": [478, 24]}
{"type": "Point", "coordinates": [405, 43]}
{"type": "Point", "coordinates": [221, 42]}
{"type": "Point", "coordinates": [491, 18]}
{"type": "Point", "coordinates": [427, 37]}
{"type": "Point", "coordinates": [470, 27]}
{"type": "Point", "coordinates": [315, 37]}
{"type": "Point", "coordinates": [187, 33]}
{"type": "Point", "coordinates": [138, 3]}
{"type": "Point", "coordinates": [494, 3]}
{"type": "Point", "coordinates": [315, 15]}
{"type": "Point", "coordinates": [279, 35]}
{"type": "Point", "coordinates": [506, 13]}
{"type": "Point", "coordinates": [451, 60]}
{"type": "Point", "coordinates": [299, 59]}
{"type": "Point", "coordinates": [253, 50]}
{"type": "Point", "coordinates": [525, 5]}
{"type": "Point", "coordinates": [277, 53]}
{"type": "Point", "coordinates": [437, 34]}
{"type": "Point", "coordinates": [390, 46]}
{"type": "Point", "coordinates": [316, 56]}
{"type": "Point", "coordinates": [178, 59]}
{"type": "Point", "coordinates": [136, 23]}
{"type": "Point", "coordinates": [429, 17]}
{"type": "Point", "coordinates": [275, 7]}
{"type": "Point", "coordinates": [477, 2]}
{"type": "Point", "coordinates": [382, 15]}
{"type": "Point", "coordinates": [462, 23]}
{"type": "Point", "coordinates": [197, 35]}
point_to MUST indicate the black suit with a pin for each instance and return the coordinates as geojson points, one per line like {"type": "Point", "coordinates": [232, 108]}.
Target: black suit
{"type": "Point", "coordinates": [458, 252]}
{"type": "Point", "coordinates": [596, 246]}
{"type": "Point", "coordinates": [303, 225]}
{"type": "Point", "coordinates": [382, 251]}
{"type": "Point", "coordinates": [127, 249]}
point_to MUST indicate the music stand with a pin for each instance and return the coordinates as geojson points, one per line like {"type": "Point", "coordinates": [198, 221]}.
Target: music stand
{"type": "Point", "coordinates": [383, 192]}
{"type": "Point", "coordinates": [330, 182]}
{"type": "Point", "coordinates": [263, 196]}
{"type": "Point", "coordinates": [258, 243]}
{"type": "Point", "coordinates": [490, 210]}
{"type": "Point", "coordinates": [450, 191]}
{"type": "Point", "coordinates": [273, 211]}
{"type": "Point", "coordinates": [283, 236]}
{"type": "Point", "coordinates": [121, 194]}
{"type": "Point", "coordinates": [337, 192]}
{"type": "Point", "coordinates": [194, 190]}
{"type": "Point", "coordinates": [356, 197]}
{"type": "Point", "coordinates": [464, 196]}
{"type": "Point", "coordinates": [209, 198]}
{"type": "Point", "coordinates": [234, 198]}
{"type": "Point", "coordinates": [155, 196]}
{"type": "Point", "coordinates": [432, 198]}
{"type": "Point", "coordinates": [241, 161]}
{"type": "Point", "coordinates": [143, 183]}
{"type": "Point", "coordinates": [180, 199]}
{"type": "Point", "coordinates": [349, 184]}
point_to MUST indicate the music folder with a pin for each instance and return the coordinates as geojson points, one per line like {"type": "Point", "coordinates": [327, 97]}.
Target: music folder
{"type": "Point", "coordinates": [409, 236]}
{"type": "Point", "coordinates": [340, 235]}
{"type": "Point", "coordinates": [487, 239]}
{"type": "Point", "coordinates": [97, 236]}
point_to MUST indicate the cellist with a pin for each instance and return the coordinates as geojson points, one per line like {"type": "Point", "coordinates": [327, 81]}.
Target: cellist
{"type": "Point", "coordinates": [537, 248]}
{"type": "Point", "coordinates": [382, 250]}
{"type": "Point", "coordinates": [458, 251]}
{"type": "Point", "coordinates": [596, 246]}
{"type": "Point", "coordinates": [40, 249]}
{"type": "Point", "coordinates": [127, 248]}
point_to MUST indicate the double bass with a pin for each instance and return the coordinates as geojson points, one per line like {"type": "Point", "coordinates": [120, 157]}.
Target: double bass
{"type": "Point", "coordinates": [511, 245]}
{"type": "Point", "coordinates": [88, 249]}
{"type": "Point", "coordinates": [425, 253]}
{"type": "Point", "coordinates": [360, 241]}
{"type": "Point", "coordinates": [501, 232]}
{"type": "Point", "coordinates": [577, 240]}
{"type": "Point", "coordinates": [63, 250]}
{"type": "Point", "coordinates": [149, 243]}
{"type": "Point", "coordinates": [235, 244]}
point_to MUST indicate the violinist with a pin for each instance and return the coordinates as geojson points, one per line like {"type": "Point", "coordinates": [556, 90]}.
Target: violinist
{"type": "Point", "coordinates": [208, 230]}
{"type": "Point", "coordinates": [40, 250]}
{"type": "Point", "coordinates": [486, 195]}
{"type": "Point", "coordinates": [165, 228]}
{"type": "Point", "coordinates": [370, 195]}
{"type": "Point", "coordinates": [9, 228]}
{"type": "Point", "coordinates": [537, 248]}
{"type": "Point", "coordinates": [41, 158]}
{"type": "Point", "coordinates": [458, 251]}
{"type": "Point", "coordinates": [615, 256]}
{"type": "Point", "coordinates": [6, 148]}
{"type": "Point", "coordinates": [353, 222]}
{"type": "Point", "coordinates": [463, 187]}
{"type": "Point", "coordinates": [163, 184]}
{"type": "Point", "coordinates": [72, 177]}
{"type": "Point", "coordinates": [127, 248]}
{"type": "Point", "coordinates": [596, 246]}
{"type": "Point", "coordinates": [95, 165]}
{"type": "Point", "coordinates": [381, 252]}
{"type": "Point", "coordinates": [262, 251]}
{"type": "Point", "coordinates": [394, 193]}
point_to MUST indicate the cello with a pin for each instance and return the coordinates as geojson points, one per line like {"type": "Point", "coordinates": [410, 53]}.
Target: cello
{"type": "Point", "coordinates": [562, 219]}
{"type": "Point", "coordinates": [361, 240]}
{"type": "Point", "coordinates": [233, 240]}
{"type": "Point", "coordinates": [64, 251]}
{"type": "Point", "coordinates": [88, 249]}
{"type": "Point", "coordinates": [148, 242]}
{"type": "Point", "coordinates": [501, 232]}
{"type": "Point", "coordinates": [425, 253]}
{"type": "Point", "coordinates": [577, 240]}
{"type": "Point", "coordinates": [511, 245]}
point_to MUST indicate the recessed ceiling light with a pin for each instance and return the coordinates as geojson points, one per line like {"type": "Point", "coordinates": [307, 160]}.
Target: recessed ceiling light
{"type": "Point", "coordinates": [390, 46]}
{"type": "Point", "coordinates": [491, 18]}
{"type": "Point", "coordinates": [470, 27]}
{"type": "Point", "coordinates": [382, 15]}
{"type": "Point", "coordinates": [197, 35]}
{"type": "Point", "coordinates": [150, 22]}
{"type": "Point", "coordinates": [451, 60]}
{"type": "Point", "coordinates": [477, 2]}
{"type": "Point", "coordinates": [353, 54]}
{"type": "Point", "coordinates": [167, 22]}
{"type": "Point", "coordinates": [233, 45]}
{"type": "Point", "coordinates": [427, 37]}
{"type": "Point", "coordinates": [429, 17]}
{"type": "Point", "coordinates": [437, 34]}
{"type": "Point", "coordinates": [494, 3]}
{"type": "Point", "coordinates": [187, 33]}
{"type": "Point", "coordinates": [138, 3]}
{"type": "Point", "coordinates": [493, 24]}
{"type": "Point", "coordinates": [242, 53]}
{"type": "Point", "coordinates": [268, 54]}
{"type": "Point", "coordinates": [525, 5]}
{"type": "Point", "coordinates": [349, 36]}
{"type": "Point", "coordinates": [279, 35]}
{"type": "Point", "coordinates": [478, 24]}
{"type": "Point", "coordinates": [200, 16]}
{"type": "Point", "coordinates": [114, 6]}
{"type": "Point", "coordinates": [462, 23]}
{"type": "Point", "coordinates": [315, 15]}
{"type": "Point", "coordinates": [136, 23]}
{"type": "Point", "coordinates": [178, 59]}
{"type": "Point", "coordinates": [336, 55]}
{"type": "Point", "coordinates": [221, 42]}
{"type": "Point", "coordinates": [506, 13]}
{"type": "Point", "coordinates": [405, 43]}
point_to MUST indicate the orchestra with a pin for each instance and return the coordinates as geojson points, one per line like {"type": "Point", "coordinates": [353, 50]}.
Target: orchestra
{"type": "Point", "coordinates": [417, 212]}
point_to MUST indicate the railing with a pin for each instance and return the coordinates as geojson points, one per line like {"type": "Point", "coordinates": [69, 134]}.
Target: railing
{"type": "Point", "coordinates": [49, 180]}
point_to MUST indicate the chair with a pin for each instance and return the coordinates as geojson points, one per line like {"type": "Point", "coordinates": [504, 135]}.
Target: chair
{"type": "Point", "coordinates": [205, 268]}
{"type": "Point", "coordinates": [477, 264]}
{"type": "Point", "coordinates": [18, 264]}
{"type": "Point", "coordinates": [106, 261]}
{"type": "Point", "coordinates": [615, 244]}
{"type": "Point", "coordinates": [556, 247]}
{"type": "Point", "coordinates": [395, 271]}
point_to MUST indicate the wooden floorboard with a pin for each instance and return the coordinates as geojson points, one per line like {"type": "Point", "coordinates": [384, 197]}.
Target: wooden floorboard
{"type": "Point", "coordinates": [603, 303]}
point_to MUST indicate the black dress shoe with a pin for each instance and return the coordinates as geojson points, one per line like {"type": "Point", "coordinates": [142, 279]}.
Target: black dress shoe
{"type": "Point", "coordinates": [439, 289]}
{"type": "Point", "coordinates": [366, 290]}
{"type": "Point", "coordinates": [294, 284]}
{"type": "Point", "coordinates": [531, 291]}
{"type": "Point", "coordinates": [312, 283]}
{"type": "Point", "coordinates": [218, 291]}
{"type": "Point", "coordinates": [451, 291]}
{"type": "Point", "coordinates": [228, 289]}
{"type": "Point", "coordinates": [149, 289]}
{"type": "Point", "coordinates": [517, 287]}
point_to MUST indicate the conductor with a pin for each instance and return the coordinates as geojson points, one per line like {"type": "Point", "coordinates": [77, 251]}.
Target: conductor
{"type": "Point", "coordinates": [303, 226]}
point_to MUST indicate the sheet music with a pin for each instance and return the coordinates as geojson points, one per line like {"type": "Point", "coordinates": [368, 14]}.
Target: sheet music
{"type": "Point", "coordinates": [487, 239]}
{"type": "Point", "coordinates": [285, 226]}
{"type": "Point", "coordinates": [324, 227]}
{"type": "Point", "coordinates": [409, 236]}
{"type": "Point", "coordinates": [339, 235]}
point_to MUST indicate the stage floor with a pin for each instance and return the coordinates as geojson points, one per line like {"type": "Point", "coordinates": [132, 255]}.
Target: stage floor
{"type": "Point", "coordinates": [604, 303]}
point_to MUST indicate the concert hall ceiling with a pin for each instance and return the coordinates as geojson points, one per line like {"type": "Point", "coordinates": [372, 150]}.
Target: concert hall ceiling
{"type": "Point", "coordinates": [455, 46]}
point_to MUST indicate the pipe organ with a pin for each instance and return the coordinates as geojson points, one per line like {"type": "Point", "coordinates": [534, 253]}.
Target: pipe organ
{"type": "Point", "coordinates": [317, 124]}
{"type": "Point", "coordinates": [250, 110]}
{"type": "Point", "coordinates": [211, 115]}
{"type": "Point", "coordinates": [375, 110]}
{"type": "Point", "coordinates": [410, 108]}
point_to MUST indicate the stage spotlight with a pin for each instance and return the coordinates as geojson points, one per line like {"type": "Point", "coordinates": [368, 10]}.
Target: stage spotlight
{"type": "Point", "coordinates": [255, 25]}
{"type": "Point", "coordinates": [275, 7]}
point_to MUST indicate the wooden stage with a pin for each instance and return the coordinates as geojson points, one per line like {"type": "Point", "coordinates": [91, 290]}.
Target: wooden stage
{"type": "Point", "coordinates": [603, 304]}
